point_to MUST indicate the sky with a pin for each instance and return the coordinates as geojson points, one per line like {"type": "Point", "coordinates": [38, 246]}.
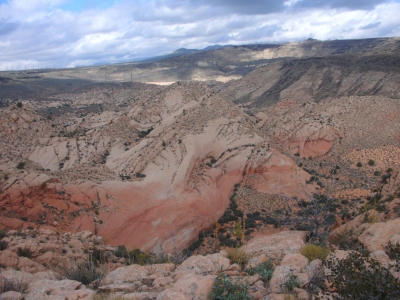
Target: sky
{"type": "Point", "coordinates": [70, 33]}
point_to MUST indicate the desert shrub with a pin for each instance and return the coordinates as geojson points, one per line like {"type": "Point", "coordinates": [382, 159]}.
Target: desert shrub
{"type": "Point", "coordinates": [265, 269]}
{"type": "Point", "coordinates": [393, 251]}
{"type": "Point", "coordinates": [228, 243]}
{"type": "Point", "coordinates": [237, 256]}
{"type": "Point", "coordinates": [227, 217]}
{"type": "Point", "coordinates": [312, 252]}
{"type": "Point", "coordinates": [316, 216]}
{"type": "Point", "coordinates": [3, 232]}
{"type": "Point", "coordinates": [196, 244]}
{"type": "Point", "coordinates": [21, 165]}
{"type": "Point", "coordinates": [134, 256]}
{"type": "Point", "coordinates": [345, 241]}
{"type": "Point", "coordinates": [389, 170]}
{"type": "Point", "coordinates": [98, 256]}
{"type": "Point", "coordinates": [359, 164]}
{"type": "Point", "coordinates": [176, 257]}
{"type": "Point", "coordinates": [225, 288]}
{"type": "Point", "coordinates": [24, 252]}
{"type": "Point", "coordinates": [144, 133]}
{"type": "Point", "coordinates": [16, 284]}
{"type": "Point", "coordinates": [360, 277]}
{"type": "Point", "coordinates": [84, 271]}
{"type": "Point", "coordinates": [371, 162]}
{"type": "Point", "coordinates": [19, 104]}
{"type": "Point", "coordinates": [121, 252]}
{"type": "Point", "coordinates": [3, 245]}
{"type": "Point", "coordinates": [377, 173]}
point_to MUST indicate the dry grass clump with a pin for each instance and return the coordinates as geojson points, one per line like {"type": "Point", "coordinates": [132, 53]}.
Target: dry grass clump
{"type": "Point", "coordinates": [85, 271]}
{"type": "Point", "coordinates": [16, 284]}
{"type": "Point", "coordinates": [237, 256]}
{"type": "Point", "coordinates": [312, 252]}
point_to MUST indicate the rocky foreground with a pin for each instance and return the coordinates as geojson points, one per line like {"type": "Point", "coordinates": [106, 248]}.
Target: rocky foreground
{"type": "Point", "coordinates": [41, 264]}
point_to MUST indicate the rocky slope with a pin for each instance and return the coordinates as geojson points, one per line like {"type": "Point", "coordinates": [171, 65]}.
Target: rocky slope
{"type": "Point", "coordinates": [120, 173]}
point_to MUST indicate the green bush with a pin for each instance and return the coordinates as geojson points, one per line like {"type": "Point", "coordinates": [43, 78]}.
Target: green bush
{"type": "Point", "coordinates": [265, 269]}
{"type": "Point", "coordinates": [359, 164]}
{"type": "Point", "coordinates": [360, 277]}
{"type": "Point", "coordinates": [19, 104]}
{"type": "Point", "coordinates": [3, 232]}
{"type": "Point", "coordinates": [371, 162]}
{"type": "Point", "coordinates": [3, 245]}
{"type": "Point", "coordinates": [21, 165]}
{"type": "Point", "coordinates": [24, 252]}
{"type": "Point", "coordinates": [312, 252]}
{"type": "Point", "coordinates": [290, 283]}
{"type": "Point", "coordinates": [134, 256]}
{"type": "Point", "coordinates": [225, 288]}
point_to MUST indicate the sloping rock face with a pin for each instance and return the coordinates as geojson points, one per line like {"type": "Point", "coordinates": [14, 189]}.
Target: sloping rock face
{"type": "Point", "coordinates": [150, 176]}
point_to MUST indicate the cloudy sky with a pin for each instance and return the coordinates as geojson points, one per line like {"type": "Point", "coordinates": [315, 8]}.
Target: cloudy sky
{"type": "Point", "coordinates": [47, 33]}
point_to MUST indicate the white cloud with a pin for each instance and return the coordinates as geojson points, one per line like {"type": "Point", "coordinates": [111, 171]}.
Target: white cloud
{"type": "Point", "coordinates": [40, 33]}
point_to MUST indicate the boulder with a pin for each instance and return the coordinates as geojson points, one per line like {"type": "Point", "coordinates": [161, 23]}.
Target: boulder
{"type": "Point", "coordinates": [58, 290]}
{"type": "Point", "coordinates": [169, 294]}
{"type": "Point", "coordinates": [295, 264]}
{"type": "Point", "coordinates": [378, 235]}
{"type": "Point", "coordinates": [127, 274]}
{"type": "Point", "coordinates": [197, 264]}
{"type": "Point", "coordinates": [11, 295]}
{"type": "Point", "coordinates": [140, 296]}
{"type": "Point", "coordinates": [276, 245]}
{"type": "Point", "coordinates": [194, 286]}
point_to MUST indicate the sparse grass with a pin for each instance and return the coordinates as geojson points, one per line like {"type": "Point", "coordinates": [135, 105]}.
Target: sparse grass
{"type": "Point", "coordinates": [84, 271]}
{"type": "Point", "coordinates": [225, 288]}
{"type": "Point", "coordinates": [290, 283]}
{"type": "Point", "coordinates": [16, 284]}
{"type": "Point", "coordinates": [237, 256]}
{"type": "Point", "coordinates": [312, 252]}
{"type": "Point", "coordinates": [265, 269]}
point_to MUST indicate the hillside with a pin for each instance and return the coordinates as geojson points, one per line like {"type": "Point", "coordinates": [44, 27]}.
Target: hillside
{"type": "Point", "coordinates": [272, 149]}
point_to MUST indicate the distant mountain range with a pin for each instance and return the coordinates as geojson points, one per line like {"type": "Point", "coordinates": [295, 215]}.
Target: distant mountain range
{"type": "Point", "coordinates": [184, 51]}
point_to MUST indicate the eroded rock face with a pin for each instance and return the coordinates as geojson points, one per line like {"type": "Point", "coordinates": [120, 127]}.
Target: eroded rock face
{"type": "Point", "coordinates": [158, 172]}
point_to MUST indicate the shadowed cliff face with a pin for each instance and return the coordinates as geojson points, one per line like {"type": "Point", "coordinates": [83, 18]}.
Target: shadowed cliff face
{"type": "Point", "coordinates": [151, 175]}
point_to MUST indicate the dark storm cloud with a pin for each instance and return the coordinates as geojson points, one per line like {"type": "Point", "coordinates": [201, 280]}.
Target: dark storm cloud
{"type": "Point", "coordinates": [243, 7]}
{"type": "Point", "coordinates": [350, 4]}
{"type": "Point", "coordinates": [370, 26]}
{"type": "Point", "coordinates": [7, 27]}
